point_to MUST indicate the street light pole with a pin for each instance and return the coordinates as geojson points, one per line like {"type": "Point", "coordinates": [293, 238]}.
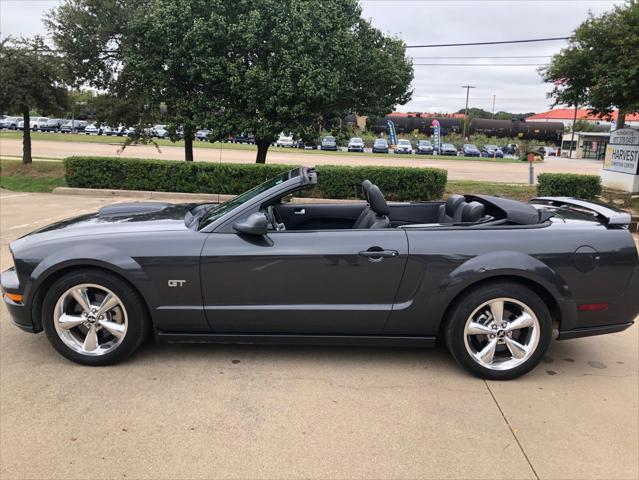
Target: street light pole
{"type": "Point", "coordinates": [467, 87]}
{"type": "Point", "coordinates": [494, 106]}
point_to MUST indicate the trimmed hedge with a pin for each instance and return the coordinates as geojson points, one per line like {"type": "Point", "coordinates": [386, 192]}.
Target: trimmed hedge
{"type": "Point", "coordinates": [569, 185]}
{"type": "Point", "coordinates": [397, 183]}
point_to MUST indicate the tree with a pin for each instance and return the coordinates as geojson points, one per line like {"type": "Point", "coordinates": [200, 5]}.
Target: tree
{"type": "Point", "coordinates": [295, 65]}
{"type": "Point", "coordinates": [258, 66]}
{"type": "Point", "coordinates": [30, 79]}
{"type": "Point", "coordinates": [599, 68]}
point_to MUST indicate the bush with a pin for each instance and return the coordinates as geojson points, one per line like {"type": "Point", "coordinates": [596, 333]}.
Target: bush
{"type": "Point", "coordinates": [569, 185]}
{"type": "Point", "coordinates": [397, 183]}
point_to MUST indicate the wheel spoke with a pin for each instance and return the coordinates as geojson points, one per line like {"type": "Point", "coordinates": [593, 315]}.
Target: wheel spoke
{"type": "Point", "coordinates": [114, 328]}
{"type": "Point", "coordinates": [478, 329]}
{"type": "Point", "coordinates": [516, 349]}
{"type": "Point", "coordinates": [91, 341]}
{"type": "Point", "coordinates": [81, 296]}
{"type": "Point", "coordinates": [488, 352]}
{"type": "Point", "coordinates": [107, 304]}
{"type": "Point", "coordinates": [68, 322]}
{"type": "Point", "coordinates": [522, 321]}
{"type": "Point", "coordinates": [497, 310]}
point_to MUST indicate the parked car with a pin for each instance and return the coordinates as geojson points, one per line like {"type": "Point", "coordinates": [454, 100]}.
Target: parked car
{"type": "Point", "coordinates": [10, 123]}
{"type": "Point", "coordinates": [243, 137]}
{"type": "Point", "coordinates": [470, 150]}
{"type": "Point", "coordinates": [489, 277]}
{"type": "Point", "coordinates": [510, 149]}
{"type": "Point", "coordinates": [355, 144]}
{"type": "Point", "coordinates": [447, 149]}
{"type": "Point", "coordinates": [113, 131]}
{"type": "Point", "coordinates": [284, 141]}
{"type": "Point", "coordinates": [329, 143]}
{"type": "Point", "coordinates": [492, 151]}
{"type": "Point", "coordinates": [306, 144]}
{"type": "Point", "coordinates": [159, 131]}
{"type": "Point", "coordinates": [203, 134]}
{"type": "Point", "coordinates": [546, 150]}
{"type": "Point", "coordinates": [380, 145]}
{"type": "Point", "coordinates": [93, 129]}
{"type": "Point", "coordinates": [74, 126]}
{"type": "Point", "coordinates": [53, 125]}
{"type": "Point", "coordinates": [424, 147]}
{"type": "Point", "coordinates": [403, 146]}
{"type": "Point", "coordinates": [35, 123]}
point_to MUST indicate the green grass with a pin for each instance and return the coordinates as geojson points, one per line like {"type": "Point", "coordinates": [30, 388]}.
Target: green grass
{"type": "Point", "coordinates": [521, 192]}
{"type": "Point", "coordinates": [37, 177]}
{"type": "Point", "coordinates": [59, 137]}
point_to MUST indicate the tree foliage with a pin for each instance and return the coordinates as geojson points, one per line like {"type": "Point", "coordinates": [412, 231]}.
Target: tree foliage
{"type": "Point", "coordinates": [30, 78]}
{"type": "Point", "coordinates": [600, 67]}
{"type": "Point", "coordinates": [258, 66]}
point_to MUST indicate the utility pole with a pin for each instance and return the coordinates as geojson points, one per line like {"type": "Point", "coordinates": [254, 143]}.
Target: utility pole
{"type": "Point", "coordinates": [494, 106]}
{"type": "Point", "coordinates": [572, 135]}
{"type": "Point", "coordinates": [467, 87]}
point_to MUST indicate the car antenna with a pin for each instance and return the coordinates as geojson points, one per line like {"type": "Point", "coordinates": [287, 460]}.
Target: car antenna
{"type": "Point", "coordinates": [220, 163]}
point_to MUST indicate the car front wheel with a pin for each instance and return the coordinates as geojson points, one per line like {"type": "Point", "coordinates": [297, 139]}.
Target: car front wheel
{"type": "Point", "coordinates": [94, 318]}
{"type": "Point", "coordinates": [499, 331]}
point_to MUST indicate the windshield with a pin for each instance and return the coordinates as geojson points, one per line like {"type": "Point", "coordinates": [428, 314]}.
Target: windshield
{"type": "Point", "coordinates": [403, 142]}
{"type": "Point", "coordinates": [491, 147]}
{"type": "Point", "coordinates": [448, 145]}
{"type": "Point", "coordinates": [470, 146]}
{"type": "Point", "coordinates": [356, 140]}
{"type": "Point", "coordinates": [329, 139]}
{"type": "Point", "coordinates": [424, 143]}
{"type": "Point", "coordinates": [380, 141]}
{"type": "Point", "coordinates": [217, 211]}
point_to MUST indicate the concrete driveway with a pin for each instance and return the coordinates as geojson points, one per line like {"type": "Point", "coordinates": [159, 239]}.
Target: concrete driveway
{"type": "Point", "coordinates": [205, 411]}
{"type": "Point", "coordinates": [457, 169]}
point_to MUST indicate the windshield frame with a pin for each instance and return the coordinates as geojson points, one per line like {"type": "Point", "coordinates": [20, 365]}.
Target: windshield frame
{"type": "Point", "coordinates": [244, 203]}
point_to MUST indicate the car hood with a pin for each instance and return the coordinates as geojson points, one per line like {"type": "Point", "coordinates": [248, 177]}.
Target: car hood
{"type": "Point", "coordinates": [117, 218]}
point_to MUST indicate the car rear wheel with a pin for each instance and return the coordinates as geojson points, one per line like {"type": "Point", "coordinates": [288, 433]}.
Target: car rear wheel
{"type": "Point", "coordinates": [94, 318]}
{"type": "Point", "coordinates": [498, 331]}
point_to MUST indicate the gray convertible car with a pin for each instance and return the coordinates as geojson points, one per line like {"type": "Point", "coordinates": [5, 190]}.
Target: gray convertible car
{"type": "Point", "coordinates": [492, 278]}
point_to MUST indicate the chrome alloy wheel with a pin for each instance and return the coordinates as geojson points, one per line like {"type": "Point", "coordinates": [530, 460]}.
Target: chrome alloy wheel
{"type": "Point", "coordinates": [90, 319]}
{"type": "Point", "coordinates": [501, 334]}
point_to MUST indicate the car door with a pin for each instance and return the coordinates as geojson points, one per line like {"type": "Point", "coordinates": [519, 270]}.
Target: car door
{"type": "Point", "coordinates": [332, 282]}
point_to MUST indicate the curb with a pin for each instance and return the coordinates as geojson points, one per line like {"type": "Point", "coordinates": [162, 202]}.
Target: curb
{"type": "Point", "coordinates": [203, 197]}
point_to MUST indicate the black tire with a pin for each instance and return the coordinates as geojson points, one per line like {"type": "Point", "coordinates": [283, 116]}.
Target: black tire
{"type": "Point", "coordinates": [137, 316]}
{"type": "Point", "coordinates": [464, 307]}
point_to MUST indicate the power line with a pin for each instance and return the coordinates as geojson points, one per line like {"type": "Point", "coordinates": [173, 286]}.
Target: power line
{"type": "Point", "coordinates": [479, 64]}
{"type": "Point", "coordinates": [501, 42]}
{"type": "Point", "coordinates": [473, 57]}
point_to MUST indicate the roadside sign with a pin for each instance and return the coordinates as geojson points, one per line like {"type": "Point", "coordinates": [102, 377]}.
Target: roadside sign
{"type": "Point", "coordinates": [436, 134]}
{"type": "Point", "coordinates": [392, 134]}
{"type": "Point", "coordinates": [622, 152]}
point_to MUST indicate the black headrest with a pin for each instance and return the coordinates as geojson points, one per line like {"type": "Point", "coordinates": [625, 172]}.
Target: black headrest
{"type": "Point", "coordinates": [473, 212]}
{"type": "Point", "coordinates": [376, 201]}
{"type": "Point", "coordinates": [452, 203]}
{"type": "Point", "coordinates": [366, 185]}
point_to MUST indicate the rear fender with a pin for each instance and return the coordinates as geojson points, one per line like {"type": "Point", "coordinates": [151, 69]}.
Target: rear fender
{"type": "Point", "coordinates": [509, 264]}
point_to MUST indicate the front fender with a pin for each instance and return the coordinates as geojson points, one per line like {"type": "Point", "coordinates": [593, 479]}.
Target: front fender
{"type": "Point", "coordinates": [93, 255]}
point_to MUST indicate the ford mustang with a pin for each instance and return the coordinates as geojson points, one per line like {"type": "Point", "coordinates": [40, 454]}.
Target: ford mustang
{"type": "Point", "coordinates": [492, 278]}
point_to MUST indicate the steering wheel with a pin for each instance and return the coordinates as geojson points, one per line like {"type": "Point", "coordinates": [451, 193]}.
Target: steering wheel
{"type": "Point", "coordinates": [273, 217]}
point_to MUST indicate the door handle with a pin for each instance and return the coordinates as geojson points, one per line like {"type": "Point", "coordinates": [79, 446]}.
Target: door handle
{"type": "Point", "coordinates": [300, 211]}
{"type": "Point", "coordinates": [379, 254]}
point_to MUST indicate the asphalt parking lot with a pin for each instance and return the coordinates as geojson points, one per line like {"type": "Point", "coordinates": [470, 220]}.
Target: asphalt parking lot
{"type": "Point", "coordinates": [205, 411]}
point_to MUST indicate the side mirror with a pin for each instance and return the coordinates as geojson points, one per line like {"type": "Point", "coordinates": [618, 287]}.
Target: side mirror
{"type": "Point", "coordinates": [255, 224]}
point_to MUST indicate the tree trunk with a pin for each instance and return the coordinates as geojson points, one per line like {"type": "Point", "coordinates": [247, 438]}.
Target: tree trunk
{"type": "Point", "coordinates": [188, 144]}
{"type": "Point", "coordinates": [26, 137]}
{"type": "Point", "coordinates": [621, 119]}
{"type": "Point", "coordinates": [262, 149]}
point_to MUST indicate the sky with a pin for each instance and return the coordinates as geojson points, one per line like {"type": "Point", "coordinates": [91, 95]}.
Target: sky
{"type": "Point", "coordinates": [438, 88]}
